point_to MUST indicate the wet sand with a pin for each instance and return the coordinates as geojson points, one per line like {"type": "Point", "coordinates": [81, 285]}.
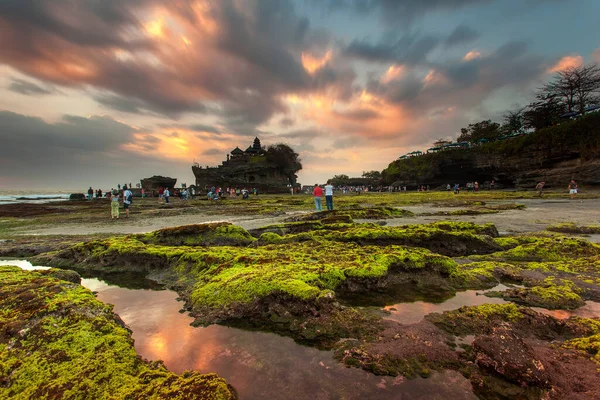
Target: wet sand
{"type": "Point", "coordinates": [537, 216]}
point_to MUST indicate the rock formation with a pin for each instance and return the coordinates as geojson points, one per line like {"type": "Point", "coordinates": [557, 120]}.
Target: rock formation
{"type": "Point", "coordinates": [156, 182]}
{"type": "Point", "coordinates": [555, 155]}
{"type": "Point", "coordinates": [251, 168]}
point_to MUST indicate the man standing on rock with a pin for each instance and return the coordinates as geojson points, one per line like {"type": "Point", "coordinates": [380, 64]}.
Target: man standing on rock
{"type": "Point", "coordinates": [573, 188]}
{"type": "Point", "coordinates": [318, 192]}
{"type": "Point", "coordinates": [166, 195]}
{"type": "Point", "coordinates": [90, 193]}
{"type": "Point", "coordinates": [329, 196]}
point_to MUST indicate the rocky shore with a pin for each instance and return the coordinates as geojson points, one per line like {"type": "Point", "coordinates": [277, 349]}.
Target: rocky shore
{"type": "Point", "coordinates": [292, 278]}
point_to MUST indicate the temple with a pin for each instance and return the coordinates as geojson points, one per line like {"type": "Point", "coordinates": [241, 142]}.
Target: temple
{"type": "Point", "coordinates": [250, 168]}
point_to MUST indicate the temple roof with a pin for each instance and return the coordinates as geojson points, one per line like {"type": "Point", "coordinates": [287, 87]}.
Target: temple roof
{"type": "Point", "coordinates": [237, 150]}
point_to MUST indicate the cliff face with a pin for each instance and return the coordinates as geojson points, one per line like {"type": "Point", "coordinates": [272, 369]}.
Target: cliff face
{"type": "Point", "coordinates": [554, 155]}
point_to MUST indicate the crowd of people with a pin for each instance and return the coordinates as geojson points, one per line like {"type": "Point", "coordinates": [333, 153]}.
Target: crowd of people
{"type": "Point", "coordinates": [123, 195]}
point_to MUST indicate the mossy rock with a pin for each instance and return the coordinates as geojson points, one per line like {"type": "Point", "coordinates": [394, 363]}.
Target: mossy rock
{"type": "Point", "coordinates": [58, 341]}
{"type": "Point", "coordinates": [447, 238]}
{"type": "Point", "coordinates": [588, 346]}
{"type": "Point", "coordinates": [552, 294]}
{"type": "Point", "coordinates": [482, 275]}
{"type": "Point", "coordinates": [354, 213]}
{"type": "Point", "coordinates": [571, 228]}
{"type": "Point", "coordinates": [545, 249]}
{"type": "Point", "coordinates": [213, 234]}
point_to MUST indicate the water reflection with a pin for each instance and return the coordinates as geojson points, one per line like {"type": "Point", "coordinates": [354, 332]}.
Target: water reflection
{"type": "Point", "coordinates": [22, 264]}
{"type": "Point", "coordinates": [259, 365]}
{"type": "Point", "coordinates": [408, 313]}
{"type": "Point", "coordinates": [591, 309]}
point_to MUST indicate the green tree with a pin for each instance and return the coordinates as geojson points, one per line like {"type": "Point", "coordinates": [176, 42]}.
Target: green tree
{"type": "Point", "coordinates": [481, 130]}
{"type": "Point", "coordinates": [339, 180]}
{"type": "Point", "coordinates": [375, 176]}
{"type": "Point", "coordinates": [513, 121]}
{"type": "Point", "coordinates": [543, 112]}
{"type": "Point", "coordinates": [286, 159]}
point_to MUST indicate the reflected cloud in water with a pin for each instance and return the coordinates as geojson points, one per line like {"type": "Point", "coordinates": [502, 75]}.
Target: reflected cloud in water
{"type": "Point", "coordinates": [259, 365]}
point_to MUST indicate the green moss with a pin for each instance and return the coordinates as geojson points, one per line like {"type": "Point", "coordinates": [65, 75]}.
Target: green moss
{"type": "Point", "coordinates": [479, 275]}
{"type": "Point", "coordinates": [589, 346]}
{"type": "Point", "coordinates": [475, 319]}
{"type": "Point", "coordinates": [354, 213]}
{"type": "Point", "coordinates": [227, 277]}
{"type": "Point", "coordinates": [572, 228]}
{"type": "Point", "coordinates": [58, 341]}
{"type": "Point", "coordinates": [214, 234]}
{"type": "Point", "coordinates": [546, 249]}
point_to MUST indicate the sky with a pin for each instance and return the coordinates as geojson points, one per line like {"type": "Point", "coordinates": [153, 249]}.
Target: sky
{"type": "Point", "coordinates": [100, 92]}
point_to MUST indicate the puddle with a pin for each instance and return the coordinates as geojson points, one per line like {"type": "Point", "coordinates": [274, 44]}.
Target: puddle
{"type": "Point", "coordinates": [409, 313]}
{"type": "Point", "coordinates": [22, 264]}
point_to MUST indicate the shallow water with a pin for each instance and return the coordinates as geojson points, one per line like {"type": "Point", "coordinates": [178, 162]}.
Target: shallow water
{"type": "Point", "coordinates": [259, 365]}
{"type": "Point", "coordinates": [409, 313]}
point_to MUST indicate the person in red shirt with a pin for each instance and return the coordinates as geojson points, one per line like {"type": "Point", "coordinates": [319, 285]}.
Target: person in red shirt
{"type": "Point", "coordinates": [318, 193]}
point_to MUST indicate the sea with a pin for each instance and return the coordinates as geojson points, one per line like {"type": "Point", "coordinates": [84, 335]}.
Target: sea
{"type": "Point", "coordinates": [34, 196]}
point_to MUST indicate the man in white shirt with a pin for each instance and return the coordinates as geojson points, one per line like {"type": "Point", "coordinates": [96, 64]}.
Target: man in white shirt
{"type": "Point", "coordinates": [329, 196]}
{"type": "Point", "coordinates": [127, 200]}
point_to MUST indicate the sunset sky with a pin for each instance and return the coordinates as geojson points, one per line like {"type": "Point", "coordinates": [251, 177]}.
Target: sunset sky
{"type": "Point", "coordinates": [100, 92]}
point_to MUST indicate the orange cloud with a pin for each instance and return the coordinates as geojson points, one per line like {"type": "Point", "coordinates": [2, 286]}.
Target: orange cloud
{"type": "Point", "coordinates": [567, 62]}
{"type": "Point", "coordinates": [312, 64]}
{"type": "Point", "coordinates": [472, 55]}
{"type": "Point", "coordinates": [596, 55]}
{"type": "Point", "coordinates": [394, 72]}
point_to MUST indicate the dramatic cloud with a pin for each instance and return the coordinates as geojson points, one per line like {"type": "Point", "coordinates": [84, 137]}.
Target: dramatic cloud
{"type": "Point", "coordinates": [567, 62]}
{"type": "Point", "coordinates": [462, 34]}
{"type": "Point", "coordinates": [168, 83]}
{"type": "Point", "coordinates": [28, 88]}
{"type": "Point", "coordinates": [410, 49]}
{"type": "Point", "coordinates": [393, 11]}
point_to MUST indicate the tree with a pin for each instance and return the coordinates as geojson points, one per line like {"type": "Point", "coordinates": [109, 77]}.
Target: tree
{"type": "Point", "coordinates": [339, 180]}
{"type": "Point", "coordinates": [375, 176]}
{"type": "Point", "coordinates": [481, 130]}
{"type": "Point", "coordinates": [513, 121]}
{"type": "Point", "coordinates": [575, 87]}
{"type": "Point", "coordinates": [441, 143]}
{"type": "Point", "coordinates": [286, 159]}
{"type": "Point", "coordinates": [543, 112]}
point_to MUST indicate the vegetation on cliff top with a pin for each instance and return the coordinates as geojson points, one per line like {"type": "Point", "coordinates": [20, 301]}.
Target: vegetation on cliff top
{"type": "Point", "coordinates": [581, 135]}
{"type": "Point", "coordinates": [58, 341]}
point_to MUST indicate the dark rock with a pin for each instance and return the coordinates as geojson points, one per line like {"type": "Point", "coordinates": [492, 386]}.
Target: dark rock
{"type": "Point", "coordinates": [504, 353]}
{"type": "Point", "coordinates": [77, 196]}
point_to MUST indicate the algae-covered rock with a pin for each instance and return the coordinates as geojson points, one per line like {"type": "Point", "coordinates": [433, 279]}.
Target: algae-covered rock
{"type": "Point", "coordinates": [354, 213]}
{"type": "Point", "coordinates": [546, 249]}
{"type": "Point", "coordinates": [571, 228]}
{"type": "Point", "coordinates": [552, 294]}
{"type": "Point", "coordinates": [57, 341]}
{"type": "Point", "coordinates": [447, 238]}
{"type": "Point", "coordinates": [214, 234]}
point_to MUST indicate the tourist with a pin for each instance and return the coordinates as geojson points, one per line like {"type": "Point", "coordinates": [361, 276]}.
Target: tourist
{"type": "Point", "coordinates": [166, 195]}
{"type": "Point", "coordinates": [448, 187]}
{"type": "Point", "coordinates": [193, 193]}
{"type": "Point", "coordinates": [99, 193]}
{"type": "Point", "coordinates": [476, 186]}
{"type": "Point", "coordinates": [492, 185]}
{"type": "Point", "coordinates": [573, 188]}
{"type": "Point", "coordinates": [127, 200]}
{"type": "Point", "coordinates": [90, 193]}
{"type": "Point", "coordinates": [114, 204]}
{"type": "Point", "coordinates": [540, 188]}
{"type": "Point", "coordinates": [161, 194]}
{"type": "Point", "coordinates": [119, 187]}
{"type": "Point", "coordinates": [456, 188]}
{"type": "Point", "coordinates": [317, 193]}
{"type": "Point", "coordinates": [329, 196]}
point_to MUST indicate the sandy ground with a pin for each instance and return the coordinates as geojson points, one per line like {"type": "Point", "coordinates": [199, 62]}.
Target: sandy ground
{"type": "Point", "coordinates": [537, 216]}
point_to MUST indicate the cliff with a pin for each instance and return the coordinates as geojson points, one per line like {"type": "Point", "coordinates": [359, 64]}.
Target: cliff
{"type": "Point", "coordinates": [555, 155]}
